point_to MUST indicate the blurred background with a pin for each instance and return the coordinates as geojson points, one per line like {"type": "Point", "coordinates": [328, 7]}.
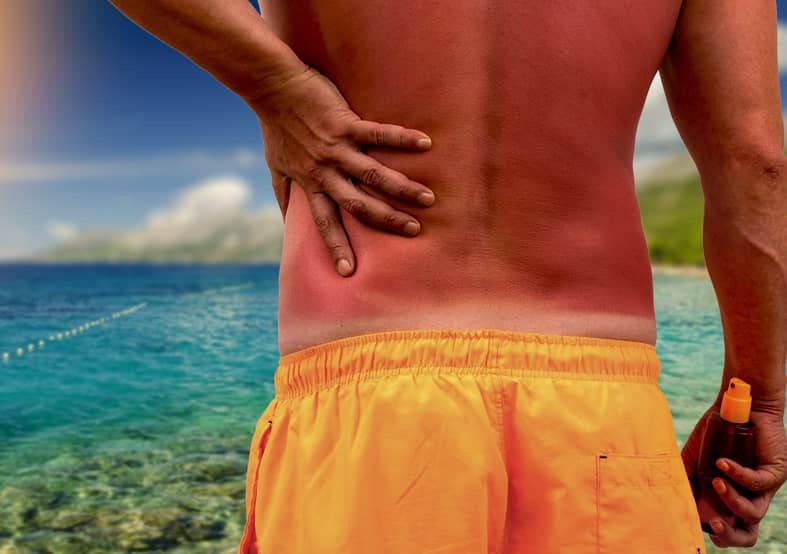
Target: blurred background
{"type": "Point", "coordinates": [129, 392]}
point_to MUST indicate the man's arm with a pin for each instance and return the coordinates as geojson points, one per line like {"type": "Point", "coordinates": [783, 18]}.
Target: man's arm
{"type": "Point", "coordinates": [312, 136]}
{"type": "Point", "coordinates": [721, 80]}
{"type": "Point", "coordinates": [227, 38]}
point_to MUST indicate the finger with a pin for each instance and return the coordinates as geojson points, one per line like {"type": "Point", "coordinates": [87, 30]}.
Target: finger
{"type": "Point", "coordinates": [369, 209]}
{"type": "Point", "coordinates": [749, 510]}
{"type": "Point", "coordinates": [757, 480]}
{"type": "Point", "coordinates": [372, 173]}
{"type": "Point", "coordinates": [329, 224]}
{"type": "Point", "coordinates": [725, 535]}
{"type": "Point", "coordinates": [385, 134]}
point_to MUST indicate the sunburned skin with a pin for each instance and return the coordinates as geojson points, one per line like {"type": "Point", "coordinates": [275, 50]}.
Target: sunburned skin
{"type": "Point", "coordinates": [532, 108]}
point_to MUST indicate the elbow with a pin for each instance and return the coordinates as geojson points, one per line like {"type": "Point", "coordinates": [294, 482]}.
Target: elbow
{"type": "Point", "coordinates": [765, 174]}
{"type": "Point", "coordinates": [747, 174]}
{"type": "Point", "coordinates": [774, 171]}
{"type": "Point", "coordinates": [746, 209]}
{"type": "Point", "coordinates": [770, 165]}
{"type": "Point", "coordinates": [765, 159]}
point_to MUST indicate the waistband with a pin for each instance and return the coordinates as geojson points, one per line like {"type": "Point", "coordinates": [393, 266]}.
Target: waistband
{"type": "Point", "coordinates": [481, 352]}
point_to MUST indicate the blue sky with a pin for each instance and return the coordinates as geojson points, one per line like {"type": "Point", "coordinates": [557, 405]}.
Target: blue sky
{"type": "Point", "coordinates": [115, 127]}
{"type": "Point", "coordinates": [126, 123]}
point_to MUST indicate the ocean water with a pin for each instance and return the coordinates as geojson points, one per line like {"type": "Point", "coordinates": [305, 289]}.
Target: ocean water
{"type": "Point", "coordinates": [133, 434]}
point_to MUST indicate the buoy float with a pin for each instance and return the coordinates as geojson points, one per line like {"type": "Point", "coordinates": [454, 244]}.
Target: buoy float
{"type": "Point", "coordinates": [73, 332]}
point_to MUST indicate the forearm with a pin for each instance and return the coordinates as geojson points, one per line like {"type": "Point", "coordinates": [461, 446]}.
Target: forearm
{"type": "Point", "coordinates": [227, 38]}
{"type": "Point", "coordinates": [745, 242]}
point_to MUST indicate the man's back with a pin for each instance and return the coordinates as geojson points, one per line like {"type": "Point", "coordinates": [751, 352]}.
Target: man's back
{"type": "Point", "coordinates": [532, 108]}
{"type": "Point", "coordinates": [452, 431]}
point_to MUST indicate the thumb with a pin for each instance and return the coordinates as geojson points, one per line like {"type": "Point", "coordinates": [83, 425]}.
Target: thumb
{"type": "Point", "coordinates": [281, 189]}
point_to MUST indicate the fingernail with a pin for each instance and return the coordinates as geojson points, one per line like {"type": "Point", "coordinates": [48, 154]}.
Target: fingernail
{"type": "Point", "coordinates": [426, 198]}
{"type": "Point", "coordinates": [722, 465]}
{"type": "Point", "coordinates": [344, 267]}
{"type": "Point", "coordinates": [411, 228]}
{"type": "Point", "coordinates": [425, 142]}
{"type": "Point", "coordinates": [719, 485]}
{"type": "Point", "coordinates": [717, 526]}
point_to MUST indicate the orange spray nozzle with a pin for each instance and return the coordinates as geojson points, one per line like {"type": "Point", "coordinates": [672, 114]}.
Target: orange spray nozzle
{"type": "Point", "coordinates": [736, 403]}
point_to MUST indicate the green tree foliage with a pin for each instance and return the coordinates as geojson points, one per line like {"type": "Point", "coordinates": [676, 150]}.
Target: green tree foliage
{"type": "Point", "coordinates": [672, 220]}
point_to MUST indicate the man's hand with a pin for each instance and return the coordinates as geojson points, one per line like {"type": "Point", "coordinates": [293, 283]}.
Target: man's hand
{"type": "Point", "coordinates": [763, 481]}
{"type": "Point", "coordinates": [311, 135]}
{"type": "Point", "coordinates": [314, 139]}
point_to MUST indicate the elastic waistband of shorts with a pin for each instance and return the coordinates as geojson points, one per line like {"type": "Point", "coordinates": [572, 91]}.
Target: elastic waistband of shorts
{"type": "Point", "coordinates": [480, 352]}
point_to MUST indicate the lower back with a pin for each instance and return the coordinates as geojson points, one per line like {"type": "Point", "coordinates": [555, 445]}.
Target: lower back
{"type": "Point", "coordinates": [532, 110]}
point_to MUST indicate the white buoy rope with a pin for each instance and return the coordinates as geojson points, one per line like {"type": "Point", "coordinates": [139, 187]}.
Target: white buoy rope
{"type": "Point", "coordinates": [78, 330]}
{"type": "Point", "coordinates": [41, 343]}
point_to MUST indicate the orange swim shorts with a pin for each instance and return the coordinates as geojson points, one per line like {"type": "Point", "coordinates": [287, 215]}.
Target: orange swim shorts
{"type": "Point", "coordinates": [469, 442]}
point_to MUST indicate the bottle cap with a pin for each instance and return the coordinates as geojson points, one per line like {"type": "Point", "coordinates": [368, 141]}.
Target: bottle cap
{"type": "Point", "coordinates": [736, 403]}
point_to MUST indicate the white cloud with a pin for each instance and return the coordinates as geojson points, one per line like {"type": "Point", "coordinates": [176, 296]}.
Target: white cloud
{"type": "Point", "coordinates": [32, 171]}
{"type": "Point", "coordinates": [781, 38]}
{"type": "Point", "coordinates": [196, 213]}
{"type": "Point", "coordinates": [211, 220]}
{"type": "Point", "coordinates": [61, 231]}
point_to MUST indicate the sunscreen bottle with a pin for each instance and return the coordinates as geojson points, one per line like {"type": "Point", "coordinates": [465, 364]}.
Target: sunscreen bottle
{"type": "Point", "coordinates": [728, 434]}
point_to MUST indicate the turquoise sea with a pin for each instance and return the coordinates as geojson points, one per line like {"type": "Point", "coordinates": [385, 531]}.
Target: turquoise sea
{"type": "Point", "coordinates": [132, 434]}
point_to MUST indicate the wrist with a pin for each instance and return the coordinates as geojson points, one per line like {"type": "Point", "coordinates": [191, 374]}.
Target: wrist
{"type": "Point", "coordinates": [767, 386]}
{"type": "Point", "coordinates": [773, 406]}
{"type": "Point", "coordinates": [767, 397]}
{"type": "Point", "coordinates": [261, 96]}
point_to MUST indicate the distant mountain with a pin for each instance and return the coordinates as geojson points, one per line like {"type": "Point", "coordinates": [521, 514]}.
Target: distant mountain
{"type": "Point", "coordinates": [672, 218]}
{"type": "Point", "coordinates": [248, 237]}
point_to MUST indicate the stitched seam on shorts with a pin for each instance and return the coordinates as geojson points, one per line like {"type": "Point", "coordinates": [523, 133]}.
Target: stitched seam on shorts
{"type": "Point", "coordinates": [519, 373]}
{"type": "Point", "coordinates": [275, 407]}
{"type": "Point", "coordinates": [500, 403]}
{"type": "Point", "coordinates": [436, 334]}
{"type": "Point", "coordinates": [598, 509]}
{"type": "Point", "coordinates": [499, 424]}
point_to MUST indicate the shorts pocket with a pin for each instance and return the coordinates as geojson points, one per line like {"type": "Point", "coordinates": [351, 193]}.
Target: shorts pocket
{"type": "Point", "coordinates": [248, 544]}
{"type": "Point", "coordinates": [645, 504]}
